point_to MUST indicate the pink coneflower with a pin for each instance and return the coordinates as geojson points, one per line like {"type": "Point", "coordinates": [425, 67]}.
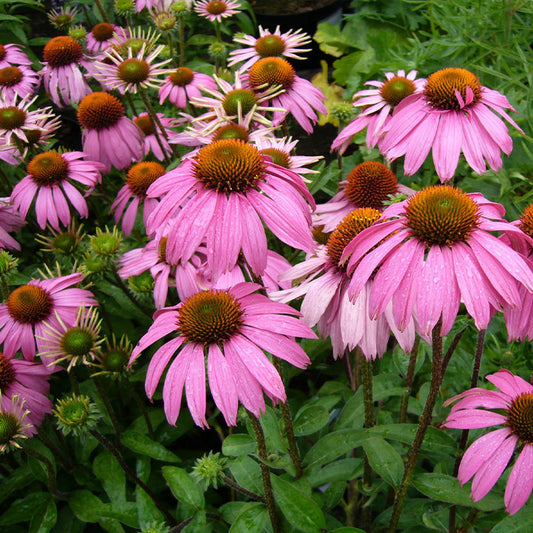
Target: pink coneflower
{"type": "Point", "coordinates": [11, 54]}
{"type": "Point", "coordinates": [183, 84]}
{"type": "Point", "coordinates": [108, 136]}
{"type": "Point", "coordinates": [235, 103]}
{"type": "Point", "coordinates": [21, 81]}
{"type": "Point", "coordinates": [322, 281]}
{"type": "Point", "coordinates": [220, 198]}
{"type": "Point", "coordinates": [139, 177]}
{"type": "Point", "coordinates": [434, 251]}
{"type": "Point", "coordinates": [269, 44]}
{"type": "Point", "coordinates": [488, 456]}
{"type": "Point", "coordinates": [300, 97]}
{"type": "Point", "coordinates": [62, 78]}
{"type": "Point", "coordinates": [368, 184]}
{"type": "Point", "coordinates": [28, 306]}
{"type": "Point", "coordinates": [160, 148]}
{"type": "Point", "coordinates": [156, 4]}
{"type": "Point", "coordinates": [135, 72]}
{"type": "Point", "coordinates": [377, 107]}
{"type": "Point", "coordinates": [17, 121]}
{"type": "Point", "coordinates": [29, 381]}
{"type": "Point", "coordinates": [9, 221]}
{"type": "Point", "coordinates": [51, 181]}
{"type": "Point", "coordinates": [452, 115]}
{"type": "Point", "coordinates": [232, 328]}
{"type": "Point", "coordinates": [102, 36]}
{"type": "Point", "coordinates": [280, 150]}
{"type": "Point", "coordinates": [217, 10]}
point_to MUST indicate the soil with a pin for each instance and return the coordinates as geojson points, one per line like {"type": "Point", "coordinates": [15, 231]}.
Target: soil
{"type": "Point", "coordinates": [294, 7]}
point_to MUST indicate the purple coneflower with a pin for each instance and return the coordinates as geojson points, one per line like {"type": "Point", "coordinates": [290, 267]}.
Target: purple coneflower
{"type": "Point", "coordinates": [183, 84]}
{"type": "Point", "coordinates": [108, 136]}
{"type": "Point", "coordinates": [453, 114]}
{"type": "Point", "coordinates": [102, 36]}
{"type": "Point", "coordinates": [160, 148]}
{"type": "Point", "coordinates": [269, 44]}
{"type": "Point", "coordinates": [51, 181]}
{"type": "Point", "coordinates": [299, 97]}
{"type": "Point", "coordinates": [231, 328]}
{"type": "Point", "coordinates": [139, 177]}
{"type": "Point", "coordinates": [217, 10]}
{"type": "Point", "coordinates": [28, 306]}
{"type": "Point", "coordinates": [221, 197]}
{"type": "Point", "coordinates": [62, 78]}
{"type": "Point", "coordinates": [377, 107]}
{"type": "Point", "coordinates": [434, 251]}
{"type": "Point", "coordinates": [9, 221]}
{"type": "Point", "coordinates": [11, 54]}
{"type": "Point", "coordinates": [488, 456]}
{"type": "Point", "coordinates": [21, 81]}
{"type": "Point", "coordinates": [13, 424]}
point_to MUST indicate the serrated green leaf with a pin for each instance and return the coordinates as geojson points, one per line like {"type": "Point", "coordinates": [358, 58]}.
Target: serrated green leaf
{"type": "Point", "coordinates": [184, 487]}
{"type": "Point", "coordinates": [299, 509]}
{"type": "Point", "coordinates": [44, 517]}
{"type": "Point", "coordinates": [446, 488]}
{"type": "Point", "coordinates": [384, 460]}
{"type": "Point", "coordinates": [139, 443]}
{"type": "Point", "coordinates": [334, 445]}
{"type": "Point", "coordinates": [309, 419]}
{"type": "Point", "coordinates": [238, 444]}
{"type": "Point", "coordinates": [253, 517]}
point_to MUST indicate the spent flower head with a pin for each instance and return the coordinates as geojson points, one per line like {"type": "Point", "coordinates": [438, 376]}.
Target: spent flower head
{"type": "Point", "coordinates": [113, 358]}
{"type": "Point", "coordinates": [76, 414]}
{"type": "Point", "coordinates": [209, 469]}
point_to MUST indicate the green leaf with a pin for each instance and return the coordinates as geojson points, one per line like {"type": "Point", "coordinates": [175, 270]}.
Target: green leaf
{"type": "Point", "coordinates": [21, 510]}
{"type": "Point", "coordinates": [44, 517]}
{"type": "Point", "coordinates": [184, 487]}
{"type": "Point", "coordinates": [144, 445]}
{"type": "Point", "coordinates": [341, 470]}
{"type": "Point", "coordinates": [247, 474]}
{"type": "Point", "coordinates": [309, 419]}
{"type": "Point", "coordinates": [18, 479]}
{"type": "Point", "coordinates": [435, 440]}
{"type": "Point", "coordinates": [447, 489]}
{"type": "Point", "coordinates": [334, 445]}
{"type": "Point", "coordinates": [347, 530]}
{"type": "Point", "coordinates": [521, 522]}
{"type": "Point", "coordinates": [253, 517]}
{"type": "Point", "coordinates": [85, 505]}
{"type": "Point", "coordinates": [384, 460]}
{"type": "Point", "coordinates": [238, 444]}
{"type": "Point", "coordinates": [147, 511]}
{"type": "Point", "coordinates": [113, 478]}
{"type": "Point", "coordinates": [299, 509]}
{"type": "Point", "coordinates": [270, 424]}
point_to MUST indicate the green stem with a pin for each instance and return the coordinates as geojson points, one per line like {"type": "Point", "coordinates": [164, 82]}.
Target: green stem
{"type": "Point", "coordinates": [425, 420]}
{"type": "Point", "coordinates": [409, 380]}
{"type": "Point", "coordinates": [109, 408]}
{"type": "Point", "coordinates": [116, 454]}
{"type": "Point", "coordinates": [265, 472]}
{"type": "Point", "coordinates": [230, 483]}
{"type": "Point", "coordinates": [51, 476]}
{"type": "Point", "coordinates": [464, 433]}
{"type": "Point", "coordinates": [367, 378]}
{"type": "Point", "coordinates": [289, 428]}
{"type": "Point", "coordinates": [181, 41]}
{"type": "Point", "coordinates": [102, 11]}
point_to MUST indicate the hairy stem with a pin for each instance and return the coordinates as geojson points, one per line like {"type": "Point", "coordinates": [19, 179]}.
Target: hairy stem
{"type": "Point", "coordinates": [409, 380]}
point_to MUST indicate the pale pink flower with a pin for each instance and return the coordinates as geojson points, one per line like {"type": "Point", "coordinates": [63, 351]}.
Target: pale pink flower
{"type": "Point", "coordinates": [453, 114]}
{"type": "Point", "coordinates": [29, 381]}
{"type": "Point", "coordinates": [232, 328]}
{"type": "Point", "coordinates": [151, 144]}
{"type": "Point", "coordinates": [9, 222]}
{"type": "Point", "coordinates": [13, 416]}
{"type": "Point", "coordinates": [221, 198]}
{"type": "Point", "coordinates": [217, 10]}
{"type": "Point", "coordinates": [11, 54]}
{"type": "Point", "coordinates": [434, 251]}
{"type": "Point", "coordinates": [487, 457]}
{"type": "Point", "coordinates": [108, 136]}
{"type": "Point", "coordinates": [63, 79]}
{"type": "Point", "coordinates": [139, 177]}
{"type": "Point", "coordinates": [53, 180]}
{"type": "Point", "coordinates": [102, 36]}
{"type": "Point", "coordinates": [21, 81]}
{"type": "Point", "coordinates": [323, 282]}
{"type": "Point", "coordinates": [377, 107]}
{"type": "Point", "coordinates": [269, 44]}
{"type": "Point", "coordinates": [300, 97]}
{"type": "Point", "coordinates": [368, 184]}
{"type": "Point", "coordinates": [28, 306]}
{"type": "Point", "coordinates": [183, 84]}
{"type": "Point", "coordinates": [157, 4]}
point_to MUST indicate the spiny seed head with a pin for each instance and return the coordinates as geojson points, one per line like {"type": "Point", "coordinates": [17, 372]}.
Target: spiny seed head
{"type": "Point", "coordinates": [393, 91]}
{"type": "Point", "coordinates": [100, 110]}
{"type": "Point", "coordinates": [441, 87]}
{"type": "Point", "coordinates": [520, 417]}
{"type": "Point", "coordinates": [48, 168]}
{"type": "Point", "coordinates": [369, 184]}
{"type": "Point", "coordinates": [10, 76]}
{"type": "Point", "coordinates": [7, 373]}
{"type": "Point", "coordinates": [271, 71]}
{"type": "Point", "coordinates": [209, 469]}
{"type": "Point", "coordinates": [270, 46]}
{"type": "Point", "coordinates": [105, 243]}
{"type": "Point", "coordinates": [141, 175]}
{"type": "Point", "coordinates": [181, 76]}
{"type": "Point", "coordinates": [279, 157]}
{"type": "Point", "coordinates": [442, 215]}
{"type": "Point", "coordinates": [350, 226]}
{"type": "Point", "coordinates": [29, 304]}
{"type": "Point", "coordinates": [209, 317]}
{"type": "Point", "coordinates": [103, 31]}
{"type": "Point", "coordinates": [239, 98]}
{"type": "Point", "coordinates": [231, 131]}
{"type": "Point", "coordinates": [75, 414]}
{"type": "Point", "coordinates": [61, 51]}
{"type": "Point", "coordinates": [526, 220]}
